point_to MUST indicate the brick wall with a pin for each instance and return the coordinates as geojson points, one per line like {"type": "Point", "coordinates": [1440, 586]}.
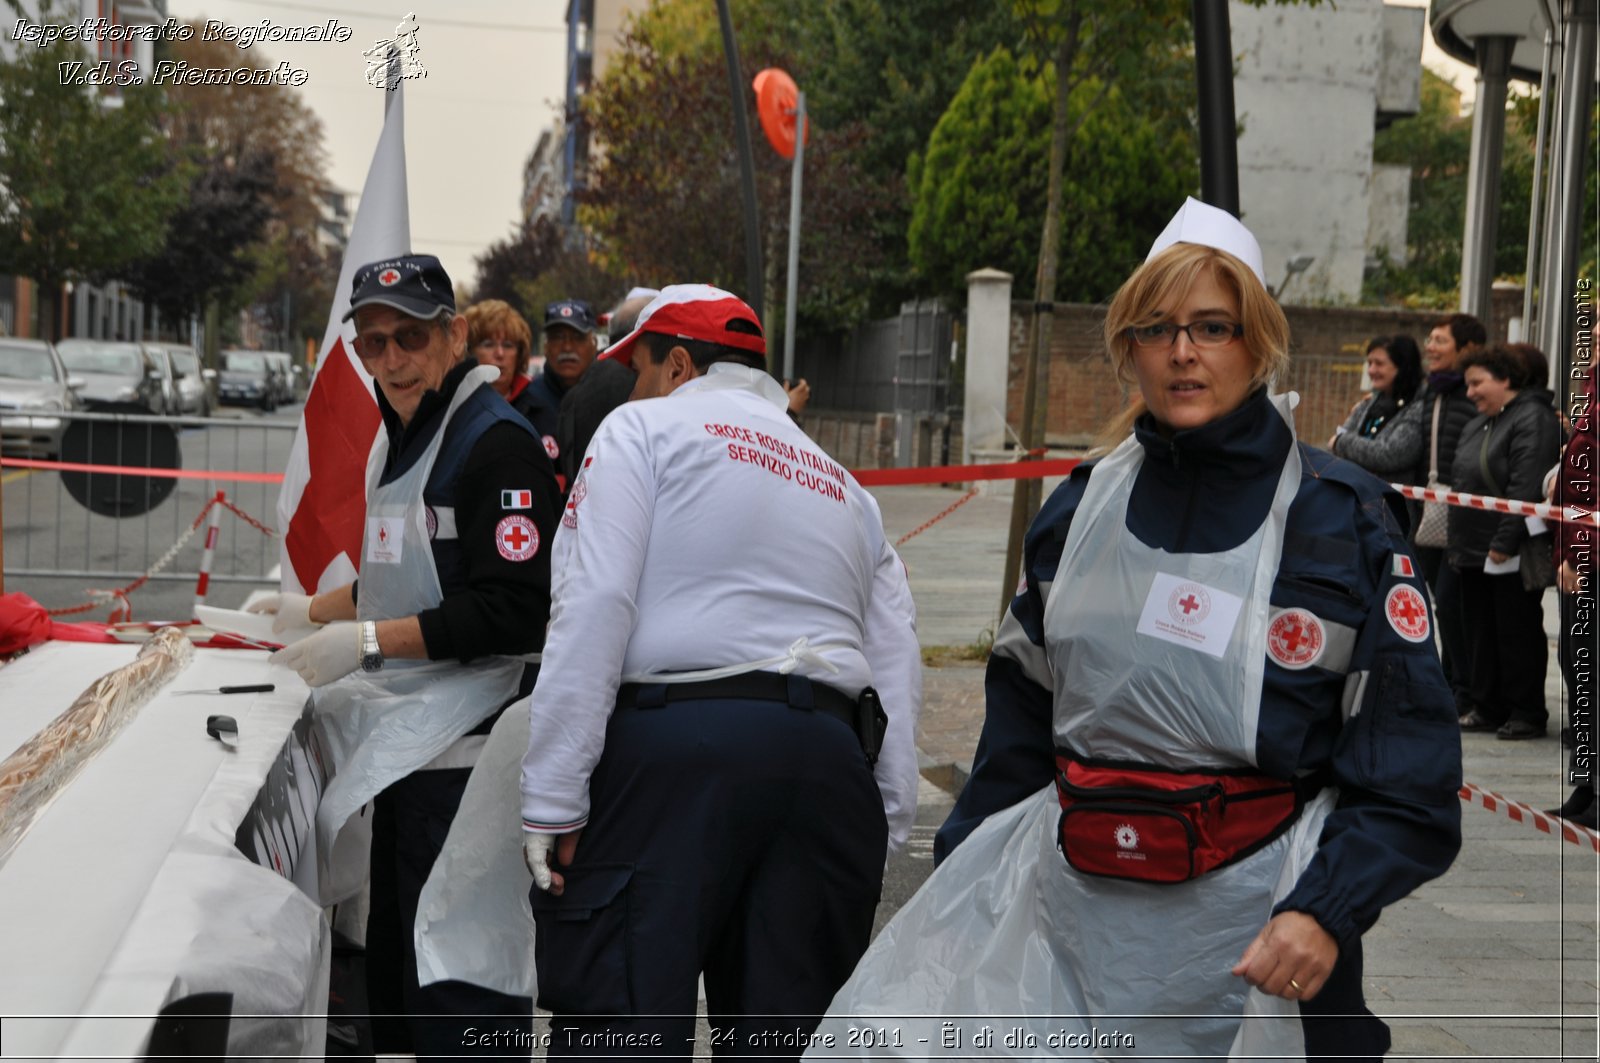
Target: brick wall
{"type": "Point", "coordinates": [1327, 350]}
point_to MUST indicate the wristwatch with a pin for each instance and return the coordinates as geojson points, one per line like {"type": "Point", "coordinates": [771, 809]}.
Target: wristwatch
{"type": "Point", "coordinates": [371, 655]}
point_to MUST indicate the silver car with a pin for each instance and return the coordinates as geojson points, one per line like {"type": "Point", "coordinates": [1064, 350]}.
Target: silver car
{"type": "Point", "coordinates": [119, 372]}
{"type": "Point", "coordinates": [34, 390]}
{"type": "Point", "coordinates": [193, 383]}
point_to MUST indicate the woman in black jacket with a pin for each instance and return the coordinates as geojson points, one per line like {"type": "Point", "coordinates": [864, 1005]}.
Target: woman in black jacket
{"type": "Point", "coordinates": [1505, 452]}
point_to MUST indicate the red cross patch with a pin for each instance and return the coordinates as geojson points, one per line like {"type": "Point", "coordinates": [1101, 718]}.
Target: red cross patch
{"type": "Point", "coordinates": [1407, 613]}
{"type": "Point", "coordinates": [516, 538]}
{"type": "Point", "coordinates": [580, 491]}
{"type": "Point", "coordinates": [1189, 604]}
{"type": "Point", "coordinates": [551, 447]}
{"type": "Point", "coordinates": [1295, 639]}
{"type": "Point", "coordinates": [389, 278]}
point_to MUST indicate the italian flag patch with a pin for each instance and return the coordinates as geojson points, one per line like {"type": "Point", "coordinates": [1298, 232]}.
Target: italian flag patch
{"type": "Point", "coordinates": [1403, 566]}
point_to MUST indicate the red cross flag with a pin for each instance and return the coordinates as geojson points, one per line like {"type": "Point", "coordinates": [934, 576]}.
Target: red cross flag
{"type": "Point", "coordinates": [323, 503]}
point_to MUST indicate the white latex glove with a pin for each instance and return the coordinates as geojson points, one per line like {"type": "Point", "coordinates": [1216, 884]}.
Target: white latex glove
{"type": "Point", "coordinates": [288, 611]}
{"type": "Point", "coordinates": [536, 849]}
{"type": "Point", "coordinates": [332, 653]}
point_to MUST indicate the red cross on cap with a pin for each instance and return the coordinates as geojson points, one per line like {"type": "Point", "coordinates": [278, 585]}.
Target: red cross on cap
{"type": "Point", "coordinates": [388, 277]}
{"type": "Point", "coordinates": [566, 311]}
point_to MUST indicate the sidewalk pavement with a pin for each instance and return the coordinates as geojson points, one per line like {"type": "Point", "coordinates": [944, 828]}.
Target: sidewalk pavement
{"type": "Point", "coordinates": [1497, 959]}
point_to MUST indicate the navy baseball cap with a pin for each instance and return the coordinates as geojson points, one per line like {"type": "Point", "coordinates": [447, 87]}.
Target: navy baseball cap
{"type": "Point", "coordinates": [573, 313]}
{"type": "Point", "coordinates": [416, 285]}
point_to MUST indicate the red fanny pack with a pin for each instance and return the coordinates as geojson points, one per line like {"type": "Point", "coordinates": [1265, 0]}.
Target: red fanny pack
{"type": "Point", "coordinates": [1135, 822]}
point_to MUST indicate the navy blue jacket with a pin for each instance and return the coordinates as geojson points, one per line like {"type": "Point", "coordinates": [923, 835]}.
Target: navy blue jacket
{"type": "Point", "coordinates": [541, 403]}
{"type": "Point", "coordinates": [1397, 761]}
{"type": "Point", "coordinates": [492, 603]}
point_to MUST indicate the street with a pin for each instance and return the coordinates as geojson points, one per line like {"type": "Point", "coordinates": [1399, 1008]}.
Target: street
{"type": "Point", "coordinates": [56, 549]}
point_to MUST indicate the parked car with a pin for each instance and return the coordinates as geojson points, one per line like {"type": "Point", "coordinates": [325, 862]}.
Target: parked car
{"type": "Point", "coordinates": [114, 371]}
{"type": "Point", "coordinates": [34, 390]}
{"type": "Point", "coordinates": [194, 383]}
{"type": "Point", "coordinates": [287, 371]}
{"type": "Point", "coordinates": [248, 378]}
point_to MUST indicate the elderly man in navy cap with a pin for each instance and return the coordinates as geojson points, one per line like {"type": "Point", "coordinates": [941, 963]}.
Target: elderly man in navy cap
{"type": "Point", "coordinates": [412, 665]}
{"type": "Point", "coordinates": [569, 350]}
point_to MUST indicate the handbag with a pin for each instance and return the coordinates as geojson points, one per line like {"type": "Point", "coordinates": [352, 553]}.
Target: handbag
{"type": "Point", "coordinates": [1433, 527]}
{"type": "Point", "coordinates": [1537, 562]}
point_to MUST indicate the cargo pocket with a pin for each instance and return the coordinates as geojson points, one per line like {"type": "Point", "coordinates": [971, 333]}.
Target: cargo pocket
{"type": "Point", "coordinates": [582, 944]}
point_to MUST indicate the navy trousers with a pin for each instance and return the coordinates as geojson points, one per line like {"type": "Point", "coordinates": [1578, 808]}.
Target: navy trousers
{"type": "Point", "coordinates": [742, 839]}
{"type": "Point", "coordinates": [410, 821]}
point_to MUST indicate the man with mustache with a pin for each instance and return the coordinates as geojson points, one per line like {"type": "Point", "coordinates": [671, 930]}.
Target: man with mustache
{"type": "Point", "coordinates": [569, 351]}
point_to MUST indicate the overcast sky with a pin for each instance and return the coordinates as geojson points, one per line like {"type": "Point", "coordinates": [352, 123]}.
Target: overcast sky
{"type": "Point", "coordinates": [494, 70]}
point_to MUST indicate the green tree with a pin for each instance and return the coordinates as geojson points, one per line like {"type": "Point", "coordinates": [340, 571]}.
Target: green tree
{"type": "Point", "coordinates": [270, 252]}
{"type": "Point", "coordinates": [1436, 143]}
{"type": "Point", "coordinates": [86, 187]}
{"type": "Point", "coordinates": [979, 193]}
{"type": "Point", "coordinates": [663, 195]}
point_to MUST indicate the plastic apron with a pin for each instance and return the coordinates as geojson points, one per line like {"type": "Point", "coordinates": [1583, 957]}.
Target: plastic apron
{"type": "Point", "coordinates": [381, 727]}
{"type": "Point", "coordinates": [474, 921]}
{"type": "Point", "coordinates": [1091, 967]}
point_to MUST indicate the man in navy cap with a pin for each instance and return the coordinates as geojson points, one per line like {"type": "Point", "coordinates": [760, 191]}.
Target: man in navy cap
{"type": "Point", "coordinates": [454, 588]}
{"type": "Point", "coordinates": [569, 351]}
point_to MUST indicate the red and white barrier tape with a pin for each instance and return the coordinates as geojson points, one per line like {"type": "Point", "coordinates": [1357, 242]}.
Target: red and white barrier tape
{"type": "Point", "coordinates": [972, 492]}
{"type": "Point", "coordinates": [140, 470]}
{"type": "Point", "coordinates": [1521, 813]}
{"type": "Point", "coordinates": [1568, 514]}
{"type": "Point", "coordinates": [124, 611]}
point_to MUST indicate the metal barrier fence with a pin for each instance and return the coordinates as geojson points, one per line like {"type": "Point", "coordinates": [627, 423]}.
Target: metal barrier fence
{"type": "Point", "coordinates": [51, 531]}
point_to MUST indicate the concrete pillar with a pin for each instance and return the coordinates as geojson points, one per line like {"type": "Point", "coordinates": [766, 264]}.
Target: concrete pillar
{"type": "Point", "coordinates": [1483, 175]}
{"type": "Point", "coordinates": [1558, 290]}
{"type": "Point", "coordinates": [983, 413]}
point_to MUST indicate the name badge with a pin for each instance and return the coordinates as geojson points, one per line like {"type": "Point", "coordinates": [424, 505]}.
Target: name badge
{"type": "Point", "coordinates": [384, 538]}
{"type": "Point", "coordinates": [1190, 614]}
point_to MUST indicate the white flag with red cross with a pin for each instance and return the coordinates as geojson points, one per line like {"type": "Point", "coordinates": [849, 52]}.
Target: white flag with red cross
{"type": "Point", "coordinates": [322, 506]}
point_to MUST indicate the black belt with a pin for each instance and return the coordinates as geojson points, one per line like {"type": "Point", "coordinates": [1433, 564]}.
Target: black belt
{"type": "Point", "coordinates": [795, 690]}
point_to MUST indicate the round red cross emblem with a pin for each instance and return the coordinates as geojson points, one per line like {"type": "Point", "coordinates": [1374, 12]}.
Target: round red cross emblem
{"type": "Point", "coordinates": [1295, 639]}
{"type": "Point", "coordinates": [516, 538]}
{"type": "Point", "coordinates": [566, 311]}
{"type": "Point", "coordinates": [1407, 613]}
{"type": "Point", "coordinates": [389, 277]}
{"type": "Point", "coordinates": [1189, 603]}
{"type": "Point", "coordinates": [551, 447]}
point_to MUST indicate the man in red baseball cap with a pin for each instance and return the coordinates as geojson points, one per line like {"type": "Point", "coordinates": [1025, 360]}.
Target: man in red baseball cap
{"type": "Point", "coordinates": [721, 742]}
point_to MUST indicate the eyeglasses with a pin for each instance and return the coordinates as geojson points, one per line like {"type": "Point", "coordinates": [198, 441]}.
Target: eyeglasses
{"type": "Point", "coordinates": [412, 338]}
{"type": "Point", "coordinates": [1201, 333]}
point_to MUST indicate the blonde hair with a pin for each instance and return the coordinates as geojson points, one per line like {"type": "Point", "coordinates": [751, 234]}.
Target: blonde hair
{"type": "Point", "coordinates": [1166, 280]}
{"type": "Point", "coordinates": [495, 317]}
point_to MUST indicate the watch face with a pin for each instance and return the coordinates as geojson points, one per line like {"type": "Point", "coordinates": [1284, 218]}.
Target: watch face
{"type": "Point", "coordinates": [372, 662]}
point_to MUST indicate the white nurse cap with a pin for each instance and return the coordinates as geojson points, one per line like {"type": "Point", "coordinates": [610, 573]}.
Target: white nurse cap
{"type": "Point", "coordinates": [1201, 223]}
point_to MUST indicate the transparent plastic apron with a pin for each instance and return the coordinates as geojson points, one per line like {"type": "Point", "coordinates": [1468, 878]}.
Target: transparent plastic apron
{"type": "Point", "coordinates": [474, 921]}
{"type": "Point", "coordinates": [382, 726]}
{"type": "Point", "coordinates": [1006, 926]}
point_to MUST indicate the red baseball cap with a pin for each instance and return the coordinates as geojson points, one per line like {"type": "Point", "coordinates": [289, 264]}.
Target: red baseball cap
{"type": "Point", "coordinates": [693, 312]}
